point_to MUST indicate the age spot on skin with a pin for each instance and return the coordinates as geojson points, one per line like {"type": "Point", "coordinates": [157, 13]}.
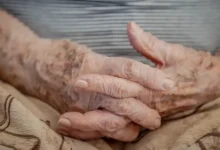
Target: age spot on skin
{"type": "Point", "coordinates": [210, 67]}
{"type": "Point", "coordinates": [109, 70]}
{"type": "Point", "coordinates": [20, 59]}
{"type": "Point", "coordinates": [128, 69]}
{"type": "Point", "coordinates": [3, 54]}
{"type": "Point", "coordinates": [58, 55]}
{"type": "Point", "coordinates": [66, 44]}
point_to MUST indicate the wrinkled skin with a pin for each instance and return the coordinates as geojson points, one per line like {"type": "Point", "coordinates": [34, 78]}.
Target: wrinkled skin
{"type": "Point", "coordinates": [195, 73]}
{"type": "Point", "coordinates": [70, 77]}
{"type": "Point", "coordinates": [48, 69]}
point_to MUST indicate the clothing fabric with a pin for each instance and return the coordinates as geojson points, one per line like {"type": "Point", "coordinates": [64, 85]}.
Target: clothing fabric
{"type": "Point", "coordinates": [101, 24]}
{"type": "Point", "coordinates": [26, 123]}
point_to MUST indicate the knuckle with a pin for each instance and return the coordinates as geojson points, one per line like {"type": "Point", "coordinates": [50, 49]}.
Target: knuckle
{"type": "Point", "coordinates": [111, 89]}
{"type": "Point", "coordinates": [112, 125]}
{"type": "Point", "coordinates": [129, 68]}
{"type": "Point", "coordinates": [103, 85]}
{"type": "Point", "coordinates": [125, 106]}
{"type": "Point", "coordinates": [119, 90]}
{"type": "Point", "coordinates": [114, 88]}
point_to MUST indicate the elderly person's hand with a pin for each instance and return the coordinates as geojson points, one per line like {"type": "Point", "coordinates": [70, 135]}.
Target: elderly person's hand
{"type": "Point", "coordinates": [195, 73]}
{"type": "Point", "coordinates": [59, 64]}
{"type": "Point", "coordinates": [48, 69]}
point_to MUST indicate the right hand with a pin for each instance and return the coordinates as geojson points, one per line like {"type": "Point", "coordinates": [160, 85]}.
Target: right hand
{"type": "Point", "coordinates": [48, 69]}
{"type": "Point", "coordinates": [195, 73]}
{"type": "Point", "coordinates": [60, 63]}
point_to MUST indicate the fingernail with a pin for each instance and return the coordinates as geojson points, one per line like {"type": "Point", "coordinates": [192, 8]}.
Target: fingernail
{"type": "Point", "coordinates": [64, 123]}
{"type": "Point", "coordinates": [168, 84]}
{"type": "Point", "coordinates": [81, 84]}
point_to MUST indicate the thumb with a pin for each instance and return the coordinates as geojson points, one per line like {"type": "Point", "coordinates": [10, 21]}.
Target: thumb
{"type": "Point", "coordinates": [158, 51]}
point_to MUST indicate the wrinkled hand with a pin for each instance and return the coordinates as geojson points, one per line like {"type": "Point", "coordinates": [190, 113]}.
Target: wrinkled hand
{"type": "Point", "coordinates": [48, 69]}
{"type": "Point", "coordinates": [60, 63]}
{"type": "Point", "coordinates": [195, 73]}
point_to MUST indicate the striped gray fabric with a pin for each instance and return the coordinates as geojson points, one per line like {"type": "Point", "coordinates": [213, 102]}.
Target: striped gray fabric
{"type": "Point", "coordinates": [101, 24]}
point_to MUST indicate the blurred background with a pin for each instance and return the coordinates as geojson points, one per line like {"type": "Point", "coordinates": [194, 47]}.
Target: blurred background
{"type": "Point", "coordinates": [101, 24]}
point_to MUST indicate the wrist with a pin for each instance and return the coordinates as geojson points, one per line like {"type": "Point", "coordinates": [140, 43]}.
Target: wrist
{"type": "Point", "coordinates": [59, 60]}
{"type": "Point", "coordinates": [56, 66]}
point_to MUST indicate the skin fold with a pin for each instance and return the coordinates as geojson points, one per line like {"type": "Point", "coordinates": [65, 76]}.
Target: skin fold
{"type": "Point", "coordinates": [196, 76]}
{"type": "Point", "coordinates": [196, 73]}
{"type": "Point", "coordinates": [106, 96]}
{"type": "Point", "coordinates": [48, 69]}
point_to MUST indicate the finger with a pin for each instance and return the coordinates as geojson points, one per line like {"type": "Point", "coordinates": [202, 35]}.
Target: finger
{"type": "Point", "coordinates": [135, 110]}
{"type": "Point", "coordinates": [109, 85]}
{"type": "Point", "coordinates": [99, 120]}
{"type": "Point", "coordinates": [126, 134]}
{"type": "Point", "coordinates": [135, 71]}
{"type": "Point", "coordinates": [170, 107]}
{"type": "Point", "coordinates": [82, 135]}
{"type": "Point", "coordinates": [160, 52]}
{"type": "Point", "coordinates": [128, 69]}
{"type": "Point", "coordinates": [143, 74]}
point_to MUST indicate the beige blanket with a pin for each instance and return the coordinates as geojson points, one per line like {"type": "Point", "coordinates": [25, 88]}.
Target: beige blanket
{"type": "Point", "coordinates": [26, 123]}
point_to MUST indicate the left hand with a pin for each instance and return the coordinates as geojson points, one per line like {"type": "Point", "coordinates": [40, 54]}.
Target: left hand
{"type": "Point", "coordinates": [195, 73]}
{"type": "Point", "coordinates": [48, 69]}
